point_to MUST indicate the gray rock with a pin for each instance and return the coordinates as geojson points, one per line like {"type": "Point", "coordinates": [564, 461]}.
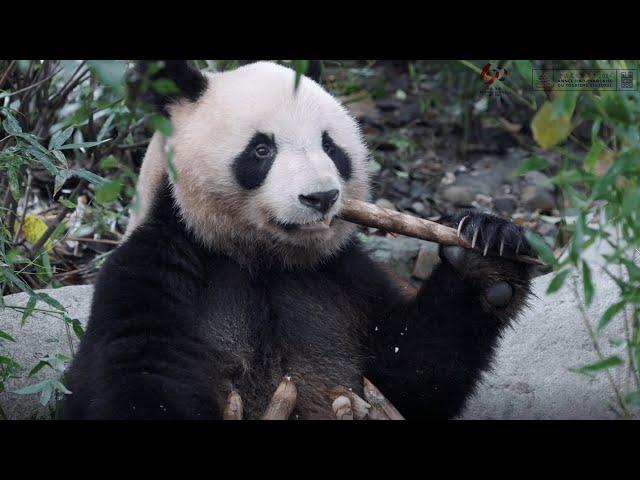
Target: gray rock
{"type": "Point", "coordinates": [505, 204]}
{"type": "Point", "coordinates": [531, 377]}
{"type": "Point", "coordinates": [426, 260]}
{"type": "Point", "coordinates": [459, 196]}
{"type": "Point", "coordinates": [539, 179]}
{"type": "Point", "coordinates": [534, 197]}
{"type": "Point", "coordinates": [384, 203]}
{"type": "Point", "coordinates": [399, 253]}
{"type": "Point", "coordinates": [418, 207]}
{"type": "Point", "coordinates": [41, 335]}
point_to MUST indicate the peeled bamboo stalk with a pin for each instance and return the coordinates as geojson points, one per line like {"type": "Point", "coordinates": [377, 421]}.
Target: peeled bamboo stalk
{"type": "Point", "coordinates": [359, 407]}
{"type": "Point", "coordinates": [342, 408]}
{"type": "Point", "coordinates": [283, 401]}
{"type": "Point", "coordinates": [370, 215]}
{"type": "Point", "coordinates": [380, 406]}
{"type": "Point", "coordinates": [233, 408]}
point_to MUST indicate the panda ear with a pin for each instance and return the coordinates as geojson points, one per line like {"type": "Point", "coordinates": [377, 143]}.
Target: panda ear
{"type": "Point", "coordinates": [188, 82]}
{"type": "Point", "coordinates": [314, 72]}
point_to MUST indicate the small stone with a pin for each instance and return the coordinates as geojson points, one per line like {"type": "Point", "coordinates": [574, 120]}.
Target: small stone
{"type": "Point", "coordinates": [384, 203]}
{"type": "Point", "coordinates": [547, 229]}
{"type": "Point", "coordinates": [538, 198]}
{"type": "Point", "coordinates": [459, 196]}
{"type": "Point", "coordinates": [426, 260]}
{"type": "Point", "coordinates": [418, 207]}
{"type": "Point", "coordinates": [538, 179]}
{"type": "Point", "coordinates": [505, 204]}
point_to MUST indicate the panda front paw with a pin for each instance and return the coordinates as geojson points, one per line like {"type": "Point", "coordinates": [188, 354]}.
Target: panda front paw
{"type": "Point", "coordinates": [501, 284]}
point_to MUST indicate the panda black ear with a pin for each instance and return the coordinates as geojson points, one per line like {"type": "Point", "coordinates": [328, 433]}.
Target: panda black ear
{"type": "Point", "coordinates": [314, 72]}
{"type": "Point", "coordinates": [188, 82]}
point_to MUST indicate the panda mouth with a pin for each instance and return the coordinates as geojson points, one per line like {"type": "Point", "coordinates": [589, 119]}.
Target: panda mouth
{"type": "Point", "coordinates": [317, 226]}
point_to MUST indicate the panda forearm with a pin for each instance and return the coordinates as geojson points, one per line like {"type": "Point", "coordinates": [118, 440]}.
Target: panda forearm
{"type": "Point", "coordinates": [430, 353]}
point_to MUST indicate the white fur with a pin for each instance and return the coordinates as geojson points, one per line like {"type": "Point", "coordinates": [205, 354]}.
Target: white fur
{"type": "Point", "coordinates": [210, 133]}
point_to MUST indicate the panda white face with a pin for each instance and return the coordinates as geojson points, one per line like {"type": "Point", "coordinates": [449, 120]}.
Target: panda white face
{"type": "Point", "coordinates": [263, 168]}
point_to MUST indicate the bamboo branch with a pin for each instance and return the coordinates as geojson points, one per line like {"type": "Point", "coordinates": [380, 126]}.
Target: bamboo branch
{"type": "Point", "coordinates": [381, 408]}
{"type": "Point", "coordinates": [283, 401]}
{"type": "Point", "coordinates": [233, 408]}
{"type": "Point", "coordinates": [370, 215]}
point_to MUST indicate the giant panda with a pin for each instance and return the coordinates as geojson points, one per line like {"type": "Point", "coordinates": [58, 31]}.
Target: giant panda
{"type": "Point", "coordinates": [238, 271]}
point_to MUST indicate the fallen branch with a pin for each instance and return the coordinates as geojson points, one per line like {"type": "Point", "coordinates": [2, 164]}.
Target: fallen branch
{"type": "Point", "coordinates": [363, 213]}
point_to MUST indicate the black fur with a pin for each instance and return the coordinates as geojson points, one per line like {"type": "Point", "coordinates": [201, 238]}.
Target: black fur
{"type": "Point", "coordinates": [188, 80]}
{"type": "Point", "coordinates": [250, 168]}
{"type": "Point", "coordinates": [174, 327]}
{"type": "Point", "coordinates": [338, 155]}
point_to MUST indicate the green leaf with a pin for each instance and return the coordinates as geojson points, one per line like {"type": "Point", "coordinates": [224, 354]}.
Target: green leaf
{"type": "Point", "coordinates": [587, 284]}
{"type": "Point", "coordinates": [557, 281]}
{"type": "Point", "coordinates": [532, 163]}
{"type": "Point", "coordinates": [525, 69]}
{"type": "Point", "coordinates": [44, 160]}
{"type": "Point", "coordinates": [108, 192]}
{"type": "Point", "coordinates": [70, 146]}
{"type": "Point", "coordinates": [593, 155]}
{"type": "Point", "coordinates": [10, 124]}
{"type": "Point", "coordinates": [161, 124]}
{"type": "Point", "coordinates": [35, 388]}
{"type": "Point", "coordinates": [109, 72]}
{"type": "Point", "coordinates": [45, 395]}
{"type": "Point", "coordinates": [543, 249]}
{"type": "Point", "coordinates": [31, 304]}
{"type": "Point", "coordinates": [108, 162]}
{"type": "Point", "coordinates": [6, 336]}
{"type": "Point", "coordinates": [604, 364]}
{"type": "Point", "coordinates": [77, 328]}
{"type": "Point", "coordinates": [301, 67]}
{"type": "Point", "coordinates": [67, 203]}
{"type": "Point", "coordinates": [633, 398]}
{"type": "Point", "coordinates": [51, 301]}
{"type": "Point", "coordinates": [59, 138]}
{"type": "Point", "coordinates": [39, 366]}
{"type": "Point", "coordinates": [165, 86]}
{"type": "Point", "coordinates": [61, 388]}
{"type": "Point", "coordinates": [549, 129]}
{"type": "Point", "coordinates": [609, 313]}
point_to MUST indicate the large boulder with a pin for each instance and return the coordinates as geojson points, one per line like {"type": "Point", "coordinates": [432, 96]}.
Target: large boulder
{"type": "Point", "coordinates": [530, 379]}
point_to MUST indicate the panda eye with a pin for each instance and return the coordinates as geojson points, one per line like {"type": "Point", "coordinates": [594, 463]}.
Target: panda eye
{"type": "Point", "coordinates": [262, 151]}
{"type": "Point", "coordinates": [327, 144]}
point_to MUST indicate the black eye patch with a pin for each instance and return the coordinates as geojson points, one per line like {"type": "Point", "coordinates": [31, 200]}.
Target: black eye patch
{"type": "Point", "coordinates": [339, 156]}
{"type": "Point", "coordinates": [252, 166]}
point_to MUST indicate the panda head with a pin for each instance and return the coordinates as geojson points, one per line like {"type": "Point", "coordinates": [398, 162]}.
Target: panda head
{"type": "Point", "coordinates": [263, 168]}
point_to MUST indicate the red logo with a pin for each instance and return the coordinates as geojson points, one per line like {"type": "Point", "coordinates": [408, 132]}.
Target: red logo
{"type": "Point", "coordinates": [490, 74]}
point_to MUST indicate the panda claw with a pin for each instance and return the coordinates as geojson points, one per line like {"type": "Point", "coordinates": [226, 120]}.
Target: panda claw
{"type": "Point", "coordinates": [501, 246]}
{"type": "Point", "coordinates": [486, 248]}
{"type": "Point", "coordinates": [461, 224]}
{"type": "Point", "coordinates": [475, 237]}
{"type": "Point", "coordinates": [518, 247]}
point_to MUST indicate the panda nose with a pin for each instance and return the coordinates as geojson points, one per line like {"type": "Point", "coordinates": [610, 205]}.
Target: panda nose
{"type": "Point", "coordinates": [321, 201]}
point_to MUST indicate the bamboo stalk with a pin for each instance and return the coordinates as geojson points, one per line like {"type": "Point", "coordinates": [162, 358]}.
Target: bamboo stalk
{"type": "Point", "coordinates": [359, 407]}
{"type": "Point", "coordinates": [342, 408]}
{"type": "Point", "coordinates": [370, 215]}
{"type": "Point", "coordinates": [233, 408]}
{"type": "Point", "coordinates": [380, 406]}
{"type": "Point", "coordinates": [283, 401]}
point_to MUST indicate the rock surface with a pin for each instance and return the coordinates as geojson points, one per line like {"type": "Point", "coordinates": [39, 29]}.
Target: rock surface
{"type": "Point", "coordinates": [530, 379]}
